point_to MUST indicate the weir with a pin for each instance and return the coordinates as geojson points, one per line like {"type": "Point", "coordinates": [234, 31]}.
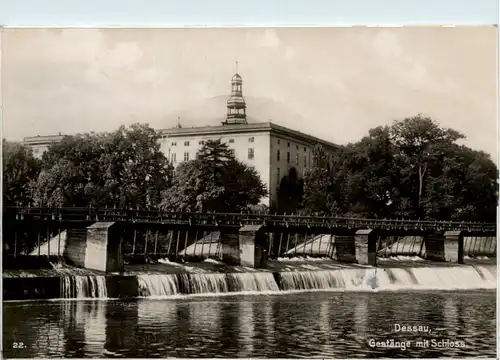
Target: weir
{"type": "Point", "coordinates": [458, 277]}
{"type": "Point", "coordinates": [390, 278]}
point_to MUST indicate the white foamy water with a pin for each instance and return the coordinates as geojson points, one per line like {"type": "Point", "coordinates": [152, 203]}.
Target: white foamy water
{"type": "Point", "coordinates": [393, 279]}
{"type": "Point", "coordinates": [464, 277]}
{"type": "Point", "coordinates": [161, 285]}
{"type": "Point", "coordinates": [303, 259]}
{"type": "Point", "coordinates": [83, 287]}
{"type": "Point", "coordinates": [401, 258]}
{"type": "Point", "coordinates": [168, 262]}
{"type": "Point", "coordinates": [158, 285]}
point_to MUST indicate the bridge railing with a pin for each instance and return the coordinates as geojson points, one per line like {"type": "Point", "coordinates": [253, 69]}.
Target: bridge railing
{"type": "Point", "coordinates": [158, 216]}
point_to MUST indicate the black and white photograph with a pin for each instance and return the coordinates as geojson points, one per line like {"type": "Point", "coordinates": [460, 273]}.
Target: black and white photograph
{"type": "Point", "coordinates": [249, 192]}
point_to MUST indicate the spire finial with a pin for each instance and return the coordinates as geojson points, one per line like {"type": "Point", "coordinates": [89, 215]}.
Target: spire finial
{"type": "Point", "coordinates": [179, 122]}
{"type": "Point", "coordinates": [236, 66]}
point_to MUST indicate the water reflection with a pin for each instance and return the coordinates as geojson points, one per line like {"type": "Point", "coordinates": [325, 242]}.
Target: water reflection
{"type": "Point", "coordinates": [310, 325]}
{"type": "Point", "coordinates": [246, 328]}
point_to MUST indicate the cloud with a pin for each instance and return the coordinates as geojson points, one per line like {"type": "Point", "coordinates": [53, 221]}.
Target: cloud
{"type": "Point", "coordinates": [341, 81]}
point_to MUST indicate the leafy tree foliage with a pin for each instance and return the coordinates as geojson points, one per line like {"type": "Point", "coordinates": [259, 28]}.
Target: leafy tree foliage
{"type": "Point", "coordinates": [19, 167]}
{"type": "Point", "coordinates": [370, 181]}
{"type": "Point", "coordinates": [418, 142]}
{"type": "Point", "coordinates": [290, 192]}
{"type": "Point", "coordinates": [124, 168]}
{"type": "Point", "coordinates": [412, 169]}
{"type": "Point", "coordinates": [215, 181]}
{"type": "Point", "coordinates": [319, 185]}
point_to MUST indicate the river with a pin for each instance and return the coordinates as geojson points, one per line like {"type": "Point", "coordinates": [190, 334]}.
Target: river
{"type": "Point", "coordinates": [294, 325]}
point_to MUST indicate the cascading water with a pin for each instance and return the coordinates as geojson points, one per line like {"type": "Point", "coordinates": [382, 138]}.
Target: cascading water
{"type": "Point", "coordinates": [253, 282]}
{"type": "Point", "coordinates": [158, 285]}
{"type": "Point", "coordinates": [83, 287]}
{"type": "Point", "coordinates": [191, 284]}
{"type": "Point", "coordinates": [452, 277]}
{"type": "Point", "coordinates": [464, 277]}
{"type": "Point", "coordinates": [386, 279]}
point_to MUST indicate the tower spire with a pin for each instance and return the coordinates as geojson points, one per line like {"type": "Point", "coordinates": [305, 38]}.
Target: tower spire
{"type": "Point", "coordinates": [236, 106]}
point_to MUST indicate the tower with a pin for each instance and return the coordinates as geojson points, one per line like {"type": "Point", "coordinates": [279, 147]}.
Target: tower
{"type": "Point", "coordinates": [236, 106]}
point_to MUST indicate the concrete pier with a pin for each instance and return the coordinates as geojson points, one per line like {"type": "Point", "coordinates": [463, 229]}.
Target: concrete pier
{"type": "Point", "coordinates": [345, 247]}
{"type": "Point", "coordinates": [97, 247]}
{"type": "Point", "coordinates": [366, 247]}
{"type": "Point", "coordinates": [445, 247]}
{"type": "Point", "coordinates": [360, 248]}
{"type": "Point", "coordinates": [230, 246]}
{"type": "Point", "coordinates": [245, 248]}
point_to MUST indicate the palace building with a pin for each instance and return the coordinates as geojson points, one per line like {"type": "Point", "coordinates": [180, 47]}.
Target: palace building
{"type": "Point", "coordinates": [270, 148]}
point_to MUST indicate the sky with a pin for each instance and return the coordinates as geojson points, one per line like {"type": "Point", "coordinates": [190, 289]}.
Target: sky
{"type": "Point", "coordinates": [334, 83]}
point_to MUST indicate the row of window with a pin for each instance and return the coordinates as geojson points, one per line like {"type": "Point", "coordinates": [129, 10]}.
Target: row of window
{"type": "Point", "coordinates": [288, 145]}
{"type": "Point", "coordinates": [201, 142]}
{"type": "Point", "coordinates": [250, 139]}
{"type": "Point", "coordinates": [251, 156]}
{"type": "Point", "coordinates": [173, 156]}
{"type": "Point", "coordinates": [278, 157]}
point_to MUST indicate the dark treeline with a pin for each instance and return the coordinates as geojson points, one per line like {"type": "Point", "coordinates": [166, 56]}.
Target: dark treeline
{"type": "Point", "coordinates": [412, 169]}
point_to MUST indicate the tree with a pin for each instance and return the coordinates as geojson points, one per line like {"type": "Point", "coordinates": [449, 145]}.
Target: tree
{"type": "Point", "coordinates": [19, 168]}
{"type": "Point", "coordinates": [319, 196]}
{"type": "Point", "coordinates": [290, 192]}
{"type": "Point", "coordinates": [135, 170]}
{"type": "Point", "coordinates": [215, 181]}
{"type": "Point", "coordinates": [462, 186]}
{"type": "Point", "coordinates": [417, 141]}
{"type": "Point", "coordinates": [370, 175]}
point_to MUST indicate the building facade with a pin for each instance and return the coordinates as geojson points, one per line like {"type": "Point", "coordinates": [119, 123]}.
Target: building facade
{"type": "Point", "coordinates": [40, 144]}
{"type": "Point", "coordinates": [270, 148]}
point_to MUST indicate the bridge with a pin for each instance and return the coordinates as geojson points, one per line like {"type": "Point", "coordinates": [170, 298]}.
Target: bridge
{"type": "Point", "coordinates": [80, 234]}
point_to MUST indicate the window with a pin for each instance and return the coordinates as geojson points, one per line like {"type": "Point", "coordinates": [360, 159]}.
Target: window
{"type": "Point", "coordinates": [186, 143]}
{"type": "Point", "coordinates": [288, 157]}
{"type": "Point", "coordinates": [201, 142]}
{"type": "Point", "coordinates": [251, 139]}
{"type": "Point", "coordinates": [186, 156]}
{"type": "Point", "coordinates": [231, 141]}
{"type": "Point", "coordinates": [288, 144]}
{"type": "Point", "coordinates": [250, 154]}
{"type": "Point", "coordinates": [278, 155]}
{"type": "Point", "coordinates": [305, 149]}
{"type": "Point", "coordinates": [297, 147]}
{"type": "Point", "coordinates": [174, 158]}
{"type": "Point", "coordinates": [278, 141]}
{"type": "Point", "coordinates": [278, 177]}
{"type": "Point", "coordinates": [305, 161]}
{"type": "Point", "coordinates": [174, 143]}
{"type": "Point", "coordinates": [297, 159]}
{"type": "Point", "coordinates": [198, 155]}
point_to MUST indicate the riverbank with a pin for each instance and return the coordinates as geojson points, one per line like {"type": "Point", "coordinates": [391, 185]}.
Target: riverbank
{"type": "Point", "coordinates": [168, 279]}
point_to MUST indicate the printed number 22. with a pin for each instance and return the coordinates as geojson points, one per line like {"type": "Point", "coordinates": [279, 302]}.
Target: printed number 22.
{"type": "Point", "coordinates": [18, 345]}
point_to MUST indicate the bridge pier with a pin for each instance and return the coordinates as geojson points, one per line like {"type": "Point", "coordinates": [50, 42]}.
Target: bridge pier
{"type": "Point", "coordinates": [359, 248]}
{"type": "Point", "coordinates": [445, 247]}
{"type": "Point", "coordinates": [246, 248]}
{"type": "Point", "coordinates": [97, 247]}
